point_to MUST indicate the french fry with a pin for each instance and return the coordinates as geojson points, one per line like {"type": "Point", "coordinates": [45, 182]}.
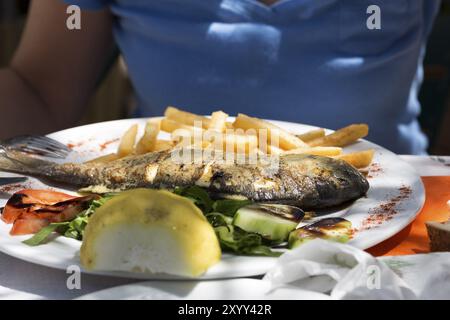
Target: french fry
{"type": "Point", "coordinates": [105, 159]}
{"type": "Point", "coordinates": [183, 138]}
{"type": "Point", "coordinates": [147, 142]}
{"type": "Point", "coordinates": [185, 117]}
{"type": "Point", "coordinates": [227, 142]}
{"type": "Point", "coordinates": [161, 145]}
{"type": "Point", "coordinates": [127, 142]}
{"type": "Point", "coordinates": [318, 151]}
{"type": "Point", "coordinates": [187, 135]}
{"type": "Point", "coordinates": [342, 137]}
{"type": "Point", "coordinates": [169, 125]}
{"type": "Point", "coordinates": [191, 137]}
{"type": "Point", "coordinates": [239, 143]}
{"type": "Point", "coordinates": [268, 147]}
{"type": "Point", "coordinates": [359, 159]}
{"type": "Point", "coordinates": [218, 121]}
{"type": "Point", "coordinates": [230, 141]}
{"type": "Point", "coordinates": [287, 141]}
{"type": "Point", "coordinates": [271, 149]}
{"type": "Point", "coordinates": [311, 135]}
{"type": "Point", "coordinates": [197, 145]}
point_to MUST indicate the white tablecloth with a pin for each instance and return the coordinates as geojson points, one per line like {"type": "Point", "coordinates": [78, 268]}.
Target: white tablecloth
{"type": "Point", "coordinates": [23, 280]}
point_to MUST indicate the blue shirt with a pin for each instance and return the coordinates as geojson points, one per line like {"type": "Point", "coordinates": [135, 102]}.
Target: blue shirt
{"type": "Point", "coordinates": [307, 61]}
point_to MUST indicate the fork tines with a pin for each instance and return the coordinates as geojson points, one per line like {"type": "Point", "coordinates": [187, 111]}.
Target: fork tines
{"type": "Point", "coordinates": [39, 145]}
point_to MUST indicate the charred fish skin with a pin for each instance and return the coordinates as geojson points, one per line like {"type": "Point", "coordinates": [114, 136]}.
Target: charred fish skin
{"type": "Point", "coordinates": [307, 181]}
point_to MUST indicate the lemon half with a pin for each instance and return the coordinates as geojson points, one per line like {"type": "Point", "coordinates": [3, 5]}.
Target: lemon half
{"type": "Point", "coordinates": [153, 231]}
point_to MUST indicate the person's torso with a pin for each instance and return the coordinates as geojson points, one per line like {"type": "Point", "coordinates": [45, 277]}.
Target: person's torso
{"type": "Point", "coordinates": [307, 61]}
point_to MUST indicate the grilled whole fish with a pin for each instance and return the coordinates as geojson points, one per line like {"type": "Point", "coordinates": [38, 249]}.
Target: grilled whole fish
{"type": "Point", "coordinates": [308, 181]}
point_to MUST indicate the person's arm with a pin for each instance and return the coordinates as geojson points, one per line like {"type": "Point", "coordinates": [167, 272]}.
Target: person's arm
{"type": "Point", "coordinates": [54, 71]}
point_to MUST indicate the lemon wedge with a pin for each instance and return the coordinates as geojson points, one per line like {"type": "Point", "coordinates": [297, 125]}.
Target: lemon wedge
{"type": "Point", "coordinates": [153, 231]}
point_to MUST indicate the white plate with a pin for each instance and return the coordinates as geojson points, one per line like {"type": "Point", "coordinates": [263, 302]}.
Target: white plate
{"type": "Point", "coordinates": [388, 176]}
{"type": "Point", "coordinates": [235, 289]}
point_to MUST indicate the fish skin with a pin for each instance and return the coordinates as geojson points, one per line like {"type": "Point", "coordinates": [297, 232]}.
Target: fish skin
{"type": "Point", "coordinates": [307, 181]}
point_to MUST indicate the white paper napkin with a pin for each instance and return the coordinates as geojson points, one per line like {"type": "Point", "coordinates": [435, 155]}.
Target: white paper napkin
{"type": "Point", "coordinates": [345, 272]}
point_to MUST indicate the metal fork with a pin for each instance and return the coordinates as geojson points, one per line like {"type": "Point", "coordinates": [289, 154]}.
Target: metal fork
{"type": "Point", "coordinates": [11, 180]}
{"type": "Point", "coordinates": [36, 145]}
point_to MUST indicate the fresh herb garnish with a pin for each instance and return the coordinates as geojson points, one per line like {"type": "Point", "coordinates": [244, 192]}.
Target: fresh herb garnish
{"type": "Point", "coordinates": [44, 233]}
{"type": "Point", "coordinates": [229, 207]}
{"type": "Point", "coordinates": [198, 195]}
{"type": "Point", "coordinates": [234, 239]}
{"type": "Point", "coordinates": [217, 219]}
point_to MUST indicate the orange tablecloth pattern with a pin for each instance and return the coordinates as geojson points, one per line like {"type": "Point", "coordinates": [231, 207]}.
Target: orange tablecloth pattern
{"type": "Point", "coordinates": [414, 238]}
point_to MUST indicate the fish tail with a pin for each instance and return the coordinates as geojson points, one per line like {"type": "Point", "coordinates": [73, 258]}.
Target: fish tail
{"type": "Point", "coordinates": [22, 163]}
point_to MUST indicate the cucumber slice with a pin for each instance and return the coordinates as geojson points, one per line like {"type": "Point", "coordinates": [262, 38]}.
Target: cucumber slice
{"type": "Point", "coordinates": [271, 221]}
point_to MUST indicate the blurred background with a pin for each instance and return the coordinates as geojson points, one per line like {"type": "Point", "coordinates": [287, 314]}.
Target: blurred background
{"type": "Point", "coordinates": [114, 97]}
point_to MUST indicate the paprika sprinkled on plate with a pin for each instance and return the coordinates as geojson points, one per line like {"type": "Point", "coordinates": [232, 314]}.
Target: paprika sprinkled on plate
{"type": "Point", "coordinates": [104, 145]}
{"type": "Point", "coordinates": [385, 211]}
{"type": "Point", "coordinates": [374, 170]}
{"type": "Point", "coordinates": [12, 188]}
{"type": "Point", "coordinates": [74, 145]}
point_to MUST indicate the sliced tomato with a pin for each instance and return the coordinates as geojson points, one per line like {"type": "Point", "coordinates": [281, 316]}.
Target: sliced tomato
{"type": "Point", "coordinates": [47, 197]}
{"type": "Point", "coordinates": [70, 213]}
{"type": "Point", "coordinates": [11, 213]}
{"type": "Point", "coordinates": [66, 213]}
{"type": "Point", "coordinates": [29, 200]}
{"type": "Point", "coordinates": [47, 215]}
{"type": "Point", "coordinates": [28, 226]}
{"type": "Point", "coordinates": [29, 212]}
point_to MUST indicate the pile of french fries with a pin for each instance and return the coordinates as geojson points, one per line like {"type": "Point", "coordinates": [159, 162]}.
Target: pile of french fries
{"type": "Point", "coordinates": [244, 137]}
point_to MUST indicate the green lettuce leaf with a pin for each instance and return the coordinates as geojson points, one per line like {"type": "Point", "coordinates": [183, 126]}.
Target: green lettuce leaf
{"type": "Point", "coordinates": [198, 195]}
{"type": "Point", "coordinates": [44, 233]}
{"type": "Point", "coordinates": [229, 207]}
{"type": "Point", "coordinates": [236, 240]}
